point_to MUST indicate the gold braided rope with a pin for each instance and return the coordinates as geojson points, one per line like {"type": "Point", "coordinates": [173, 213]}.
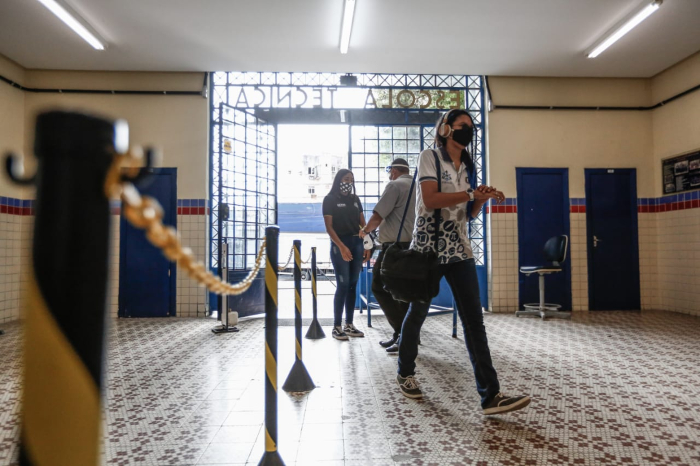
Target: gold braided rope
{"type": "Point", "coordinates": [289, 260]}
{"type": "Point", "coordinates": [147, 214]}
{"type": "Point", "coordinates": [307, 260]}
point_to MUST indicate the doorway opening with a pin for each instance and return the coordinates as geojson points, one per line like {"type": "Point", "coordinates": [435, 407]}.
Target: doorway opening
{"type": "Point", "coordinates": [383, 116]}
{"type": "Point", "coordinates": [308, 158]}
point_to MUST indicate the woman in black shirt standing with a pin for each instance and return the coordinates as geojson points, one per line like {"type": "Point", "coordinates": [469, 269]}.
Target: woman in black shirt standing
{"type": "Point", "coordinates": [342, 214]}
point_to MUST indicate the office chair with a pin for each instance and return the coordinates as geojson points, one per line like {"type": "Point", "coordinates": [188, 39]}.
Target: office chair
{"type": "Point", "coordinates": [554, 253]}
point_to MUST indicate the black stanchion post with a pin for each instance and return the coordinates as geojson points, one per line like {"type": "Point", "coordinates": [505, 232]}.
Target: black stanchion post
{"type": "Point", "coordinates": [66, 299]}
{"type": "Point", "coordinates": [454, 319]}
{"type": "Point", "coordinates": [271, 457]}
{"type": "Point", "coordinates": [315, 331]}
{"type": "Point", "coordinates": [368, 290]}
{"type": "Point", "coordinates": [225, 326]}
{"type": "Point", "coordinates": [298, 379]}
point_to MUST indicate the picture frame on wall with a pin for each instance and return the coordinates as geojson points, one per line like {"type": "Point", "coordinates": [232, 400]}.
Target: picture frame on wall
{"type": "Point", "coordinates": [681, 173]}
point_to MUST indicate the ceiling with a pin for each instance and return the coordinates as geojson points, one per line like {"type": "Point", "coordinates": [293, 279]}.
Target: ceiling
{"type": "Point", "coordinates": [494, 37]}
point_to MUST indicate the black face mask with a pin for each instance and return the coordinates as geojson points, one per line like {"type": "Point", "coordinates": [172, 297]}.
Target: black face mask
{"type": "Point", "coordinates": [463, 136]}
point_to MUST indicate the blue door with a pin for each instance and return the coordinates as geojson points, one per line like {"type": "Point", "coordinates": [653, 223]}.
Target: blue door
{"type": "Point", "coordinates": [613, 249]}
{"type": "Point", "coordinates": [146, 278]}
{"type": "Point", "coordinates": [543, 212]}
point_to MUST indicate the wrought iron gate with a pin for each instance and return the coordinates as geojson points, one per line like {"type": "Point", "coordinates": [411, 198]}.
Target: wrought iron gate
{"type": "Point", "coordinates": [244, 200]}
{"type": "Point", "coordinates": [384, 125]}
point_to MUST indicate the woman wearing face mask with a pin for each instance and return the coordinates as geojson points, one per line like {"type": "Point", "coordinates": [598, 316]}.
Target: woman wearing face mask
{"type": "Point", "coordinates": [342, 214]}
{"type": "Point", "coordinates": [454, 205]}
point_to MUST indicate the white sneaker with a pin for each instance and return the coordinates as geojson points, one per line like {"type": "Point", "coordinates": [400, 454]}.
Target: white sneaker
{"type": "Point", "coordinates": [338, 334]}
{"type": "Point", "coordinates": [352, 331]}
{"type": "Point", "coordinates": [505, 404]}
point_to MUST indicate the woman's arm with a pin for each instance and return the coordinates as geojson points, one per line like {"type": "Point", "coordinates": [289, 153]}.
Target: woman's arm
{"type": "Point", "coordinates": [368, 252]}
{"type": "Point", "coordinates": [476, 207]}
{"type": "Point", "coordinates": [344, 251]}
{"type": "Point", "coordinates": [478, 204]}
{"type": "Point", "coordinates": [433, 199]}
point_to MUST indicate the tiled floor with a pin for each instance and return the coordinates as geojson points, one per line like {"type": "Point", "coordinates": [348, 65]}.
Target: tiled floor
{"type": "Point", "coordinates": [608, 388]}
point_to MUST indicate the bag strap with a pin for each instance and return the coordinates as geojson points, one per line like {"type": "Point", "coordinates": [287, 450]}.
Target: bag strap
{"type": "Point", "coordinates": [410, 193]}
{"type": "Point", "coordinates": [438, 212]}
{"type": "Point", "coordinates": [408, 202]}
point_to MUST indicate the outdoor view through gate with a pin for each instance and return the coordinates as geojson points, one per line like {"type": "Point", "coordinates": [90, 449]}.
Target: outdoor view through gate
{"type": "Point", "coordinates": [278, 139]}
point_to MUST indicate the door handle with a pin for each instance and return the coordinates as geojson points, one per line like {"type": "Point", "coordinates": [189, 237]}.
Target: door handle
{"type": "Point", "coordinates": [595, 241]}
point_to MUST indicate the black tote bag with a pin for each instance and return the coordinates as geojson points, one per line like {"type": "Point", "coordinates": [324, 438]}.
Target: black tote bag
{"type": "Point", "coordinates": [412, 275]}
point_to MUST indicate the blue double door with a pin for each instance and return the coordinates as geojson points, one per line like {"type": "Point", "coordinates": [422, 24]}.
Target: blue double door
{"type": "Point", "coordinates": [611, 235]}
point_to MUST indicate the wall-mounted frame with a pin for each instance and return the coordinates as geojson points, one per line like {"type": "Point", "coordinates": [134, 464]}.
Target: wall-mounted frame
{"type": "Point", "coordinates": [681, 173]}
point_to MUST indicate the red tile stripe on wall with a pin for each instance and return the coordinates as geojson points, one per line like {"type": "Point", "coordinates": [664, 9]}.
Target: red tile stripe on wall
{"type": "Point", "coordinates": [115, 208]}
{"type": "Point", "coordinates": [12, 206]}
{"type": "Point", "coordinates": [644, 205]}
{"type": "Point", "coordinates": [647, 205]}
{"type": "Point", "coordinates": [680, 205]}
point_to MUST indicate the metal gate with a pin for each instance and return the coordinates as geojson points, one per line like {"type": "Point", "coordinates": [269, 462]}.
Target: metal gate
{"type": "Point", "coordinates": [244, 200]}
{"type": "Point", "coordinates": [373, 147]}
{"type": "Point", "coordinates": [246, 186]}
{"type": "Point", "coordinates": [400, 108]}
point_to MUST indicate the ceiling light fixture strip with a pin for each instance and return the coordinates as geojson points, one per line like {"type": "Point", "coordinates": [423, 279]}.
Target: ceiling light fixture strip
{"type": "Point", "coordinates": [73, 21]}
{"type": "Point", "coordinates": [624, 27]}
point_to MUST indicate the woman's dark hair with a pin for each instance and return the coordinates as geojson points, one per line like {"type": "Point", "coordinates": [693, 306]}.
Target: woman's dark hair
{"type": "Point", "coordinates": [335, 188]}
{"type": "Point", "coordinates": [448, 119]}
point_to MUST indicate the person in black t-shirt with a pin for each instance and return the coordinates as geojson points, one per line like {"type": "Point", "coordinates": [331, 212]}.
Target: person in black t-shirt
{"type": "Point", "coordinates": [342, 214]}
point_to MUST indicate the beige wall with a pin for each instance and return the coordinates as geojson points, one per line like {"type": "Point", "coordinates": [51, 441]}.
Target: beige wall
{"type": "Point", "coordinates": [676, 125]}
{"type": "Point", "coordinates": [11, 120]}
{"type": "Point", "coordinates": [593, 139]}
{"type": "Point", "coordinates": [569, 139]}
{"type": "Point", "coordinates": [177, 125]}
{"type": "Point", "coordinates": [676, 129]}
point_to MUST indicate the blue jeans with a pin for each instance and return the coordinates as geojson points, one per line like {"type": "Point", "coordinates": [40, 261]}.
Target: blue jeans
{"type": "Point", "coordinates": [461, 276]}
{"type": "Point", "coordinates": [346, 276]}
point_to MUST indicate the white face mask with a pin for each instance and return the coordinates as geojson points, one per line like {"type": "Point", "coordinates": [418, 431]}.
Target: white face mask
{"type": "Point", "coordinates": [345, 188]}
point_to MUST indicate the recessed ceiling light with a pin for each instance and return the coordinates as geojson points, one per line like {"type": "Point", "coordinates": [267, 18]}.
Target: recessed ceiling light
{"type": "Point", "coordinates": [625, 26]}
{"type": "Point", "coordinates": [73, 21]}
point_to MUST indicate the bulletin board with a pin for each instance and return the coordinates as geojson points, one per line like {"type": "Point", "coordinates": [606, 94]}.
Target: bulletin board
{"type": "Point", "coordinates": [681, 173]}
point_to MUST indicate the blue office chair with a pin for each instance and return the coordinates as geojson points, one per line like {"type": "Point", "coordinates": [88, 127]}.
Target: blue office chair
{"type": "Point", "coordinates": [554, 253]}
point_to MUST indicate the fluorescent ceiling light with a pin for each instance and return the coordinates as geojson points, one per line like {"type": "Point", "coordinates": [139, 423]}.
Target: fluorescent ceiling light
{"type": "Point", "coordinates": [346, 28]}
{"type": "Point", "coordinates": [68, 16]}
{"type": "Point", "coordinates": [624, 27]}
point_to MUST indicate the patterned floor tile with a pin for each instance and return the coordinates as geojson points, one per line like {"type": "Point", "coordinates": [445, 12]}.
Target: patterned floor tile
{"type": "Point", "coordinates": [616, 388]}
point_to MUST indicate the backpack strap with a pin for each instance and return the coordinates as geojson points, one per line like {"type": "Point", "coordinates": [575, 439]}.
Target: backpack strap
{"type": "Point", "coordinates": [408, 202]}
{"type": "Point", "coordinates": [438, 170]}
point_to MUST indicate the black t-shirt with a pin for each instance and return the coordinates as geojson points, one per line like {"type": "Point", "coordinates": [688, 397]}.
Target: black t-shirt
{"type": "Point", "coordinates": [345, 211]}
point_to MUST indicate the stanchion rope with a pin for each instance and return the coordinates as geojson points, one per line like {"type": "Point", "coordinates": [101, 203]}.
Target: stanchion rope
{"type": "Point", "coordinates": [146, 213]}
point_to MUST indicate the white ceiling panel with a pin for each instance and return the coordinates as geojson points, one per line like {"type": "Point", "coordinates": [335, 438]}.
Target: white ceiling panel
{"type": "Point", "coordinates": [495, 37]}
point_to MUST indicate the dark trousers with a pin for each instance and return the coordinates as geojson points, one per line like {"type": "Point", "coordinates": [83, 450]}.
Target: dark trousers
{"type": "Point", "coordinates": [395, 311]}
{"type": "Point", "coordinates": [461, 276]}
{"type": "Point", "coordinates": [346, 275]}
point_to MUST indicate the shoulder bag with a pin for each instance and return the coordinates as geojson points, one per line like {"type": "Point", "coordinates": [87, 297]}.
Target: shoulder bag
{"type": "Point", "coordinates": [411, 275]}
